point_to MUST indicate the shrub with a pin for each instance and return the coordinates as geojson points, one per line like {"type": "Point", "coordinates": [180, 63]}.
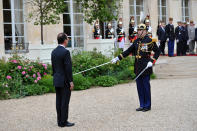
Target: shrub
{"type": "Point", "coordinates": [106, 81]}
{"type": "Point", "coordinates": [35, 89]}
{"type": "Point", "coordinates": [80, 82]}
{"type": "Point", "coordinates": [48, 82]}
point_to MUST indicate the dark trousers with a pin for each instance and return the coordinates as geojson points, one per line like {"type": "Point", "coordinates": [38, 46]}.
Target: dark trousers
{"type": "Point", "coordinates": [162, 47]}
{"type": "Point", "coordinates": [62, 104]}
{"type": "Point", "coordinates": [184, 50]}
{"type": "Point", "coordinates": [171, 48]}
{"type": "Point", "coordinates": [179, 48]}
{"type": "Point", "coordinates": [144, 93]}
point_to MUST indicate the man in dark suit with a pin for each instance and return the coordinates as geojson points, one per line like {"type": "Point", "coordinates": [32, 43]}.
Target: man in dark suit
{"type": "Point", "coordinates": [62, 79]}
{"type": "Point", "coordinates": [161, 33]}
{"type": "Point", "coordinates": [179, 33]}
{"type": "Point", "coordinates": [170, 37]}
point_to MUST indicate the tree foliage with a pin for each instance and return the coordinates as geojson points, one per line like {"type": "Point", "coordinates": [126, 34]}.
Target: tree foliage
{"type": "Point", "coordinates": [102, 10]}
{"type": "Point", "coordinates": [46, 12]}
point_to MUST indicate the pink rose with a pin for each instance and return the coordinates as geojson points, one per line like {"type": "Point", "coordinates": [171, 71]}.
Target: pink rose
{"type": "Point", "coordinates": [38, 78]}
{"type": "Point", "coordinates": [27, 76]}
{"type": "Point", "coordinates": [45, 67]}
{"type": "Point", "coordinates": [23, 72]}
{"type": "Point", "coordinates": [35, 81]}
{"type": "Point", "coordinates": [38, 73]}
{"type": "Point", "coordinates": [31, 67]}
{"type": "Point", "coordinates": [29, 70]}
{"type": "Point", "coordinates": [34, 75]}
{"type": "Point", "coordinates": [45, 73]}
{"type": "Point", "coordinates": [19, 67]}
{"type": "Point", "coordinates": [14, 61]}
{"type": "Point", "coordinates": [25, 68]}
{"type": "Point", "coordinates": [9, 77]}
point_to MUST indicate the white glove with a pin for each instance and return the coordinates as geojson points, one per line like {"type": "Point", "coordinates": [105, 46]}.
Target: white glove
{"type": "Point", "coordinates": [177, 40]}
{"type": "Point", "coordinates": [167, 39]}
{"type": "Point", "coordinates": [114, 60]}
{"type": "Point", "coordinates": [150, 64]}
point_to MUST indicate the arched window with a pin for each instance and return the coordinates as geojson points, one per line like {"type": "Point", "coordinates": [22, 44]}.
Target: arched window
{"type": "Point", "coordinates": [185, 10]}
{"type": "Point", "coordinates": [136, 8]}
{"type": "Point", "coordinates": [162, 12]}
{"type": "Point", "coordinates": [73, 24]}
{"type": "Point", "coordinates": [13, 22]}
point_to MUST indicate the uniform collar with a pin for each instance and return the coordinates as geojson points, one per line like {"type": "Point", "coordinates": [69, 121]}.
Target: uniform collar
{"type": "Point", "coordinates": [62, 46]}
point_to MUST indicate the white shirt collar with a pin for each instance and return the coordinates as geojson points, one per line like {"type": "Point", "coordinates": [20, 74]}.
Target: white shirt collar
{"type": "Point", "coordinates": [62, 45]}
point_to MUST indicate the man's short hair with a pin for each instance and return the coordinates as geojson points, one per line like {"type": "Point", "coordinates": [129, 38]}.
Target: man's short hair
{"type": "Point", "coordinates": [170, 19]}
{"type": "Point", "coordinates": [61, 37]}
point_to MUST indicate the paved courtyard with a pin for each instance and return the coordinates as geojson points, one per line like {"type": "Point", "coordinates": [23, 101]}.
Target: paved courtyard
{"type": "Point", "coordinates": [174, 105]}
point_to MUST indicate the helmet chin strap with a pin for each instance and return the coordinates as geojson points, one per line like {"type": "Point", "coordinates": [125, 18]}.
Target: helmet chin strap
{"type": "Point", "coordinates": [141, 34]}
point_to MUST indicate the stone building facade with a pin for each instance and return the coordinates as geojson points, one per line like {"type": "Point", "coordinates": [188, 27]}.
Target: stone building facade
{"type": "Point", "coordinates": [15, 30]}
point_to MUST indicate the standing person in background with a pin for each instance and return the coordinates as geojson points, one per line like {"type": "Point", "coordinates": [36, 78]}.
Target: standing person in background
{"type": "Point", "coordinates": [185, 38]}
{"type": "Point", "coordinates": [96, 31]}
{"type": "Point", "coordinates": [161, 33]}
{"type": "Point", "coordinates": [132, 30]}
{"type": "Point", "coordinates": [196, 38]}
{"type": "Point", "coordinates": [191, 34]}
{"type": "Point", "coordinates": [62, 79]}
{"type": "Point", "coordinates": [170, 35]}
{"type": "Point", "coordinates": [121, 35]}
{"type": "Point", "coordinates": [109, 33]}
{"type": "Point", "coordinates": [179, 38]}
{"type": "Point", "coordinates": [149, 28]}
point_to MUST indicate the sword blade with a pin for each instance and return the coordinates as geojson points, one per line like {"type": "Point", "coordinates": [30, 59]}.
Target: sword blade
{"type": "Point", "coordinates": [93, 68]}
{"type": "Point", "coordinates": [140, 73]}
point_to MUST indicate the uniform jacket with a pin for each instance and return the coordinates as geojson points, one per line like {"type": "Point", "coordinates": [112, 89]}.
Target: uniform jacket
{"type": "Point", "coordinates": [120, 33]}
{"type": "Point", "coordinates": [170, 32]}
{"type": "Point", "coordinates": [161, 33]}
{"type": "Point", "coordinates": [61, 66]}
{"type": "Point", "coordinates": [179, 33]}
{"type": "Point", "coordinates": [191, 32]}
{"type": "Point", "coordinates": [141, 49]}
{"type": "Point", "coordinates": [132, 32]}
{"type": "Point", "coordinates": [109, 33]}
{"type": "Point", "coordinates": [96, 33]}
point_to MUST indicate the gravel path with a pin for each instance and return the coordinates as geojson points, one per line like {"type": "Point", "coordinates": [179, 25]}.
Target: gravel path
{"type": "Point", "coordinates": [174, 105]}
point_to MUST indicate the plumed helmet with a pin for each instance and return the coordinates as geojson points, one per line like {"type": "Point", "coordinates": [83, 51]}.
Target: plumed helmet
{"type": "Point", "coordinates": [141, 27]}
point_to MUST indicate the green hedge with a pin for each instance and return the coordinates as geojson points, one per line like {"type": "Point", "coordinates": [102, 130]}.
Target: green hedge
{"type": "Point", "coordinates": [21, 77]}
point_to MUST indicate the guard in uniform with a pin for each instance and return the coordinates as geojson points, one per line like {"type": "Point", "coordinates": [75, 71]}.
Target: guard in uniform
{"type": "Point", "coordinates": [179, 33]}
{"type": "Point", "coordinates": [96, 31]}
{"type": "Point", "coordinates": [170, 37]}
{"type": "Point", "coordinates": [132, 30]}
{"type": "Point", "coordinates": [141, 49]}
{"type": "Point", "coordinates": [109, 33]}
{"type": "Point", "coordinates": [149, 28]}
{"type": "Point", "coordinates": [121, 35]}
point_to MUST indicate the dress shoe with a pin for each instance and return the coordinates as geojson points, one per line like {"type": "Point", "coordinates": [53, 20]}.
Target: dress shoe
{"type": "Point", "coordinates": [140, 109]}
{"type": "Point", "coordinates": [68, 124]}
{"type": "Point", "coordinates": [146, 109]}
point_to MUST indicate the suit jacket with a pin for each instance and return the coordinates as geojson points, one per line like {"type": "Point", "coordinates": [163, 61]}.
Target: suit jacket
{"type": "Point", "coordinates": [170, 32]}
{"type": "Point", "coordinates": [185, 34]}
{"type": "Point", "coordinates": [179, 33]}
{"type": "Point", "coordinates": [141, 49]}
{"type": "Point", "coordinates": [196, 34]}
{"type": "Point", "coordinates": [61, 66]}
{"type": "Point", "coordinates": [161, 34]}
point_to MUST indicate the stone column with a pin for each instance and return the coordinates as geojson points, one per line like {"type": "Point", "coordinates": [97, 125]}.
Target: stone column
{"type": "Point", "coordinates": [2, 48]}
{"type": "Point", "coordinates": [126, 18]}
{"type": "Point", "coordinates": [152, 9]}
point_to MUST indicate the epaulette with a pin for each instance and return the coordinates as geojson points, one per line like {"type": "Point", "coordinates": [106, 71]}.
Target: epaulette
{"type": "Point", "coordinates": [154, 40]}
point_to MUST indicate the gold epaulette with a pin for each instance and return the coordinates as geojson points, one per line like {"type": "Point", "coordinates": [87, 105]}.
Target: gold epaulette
{"type": "Point", "coordinates": [154, 39]}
